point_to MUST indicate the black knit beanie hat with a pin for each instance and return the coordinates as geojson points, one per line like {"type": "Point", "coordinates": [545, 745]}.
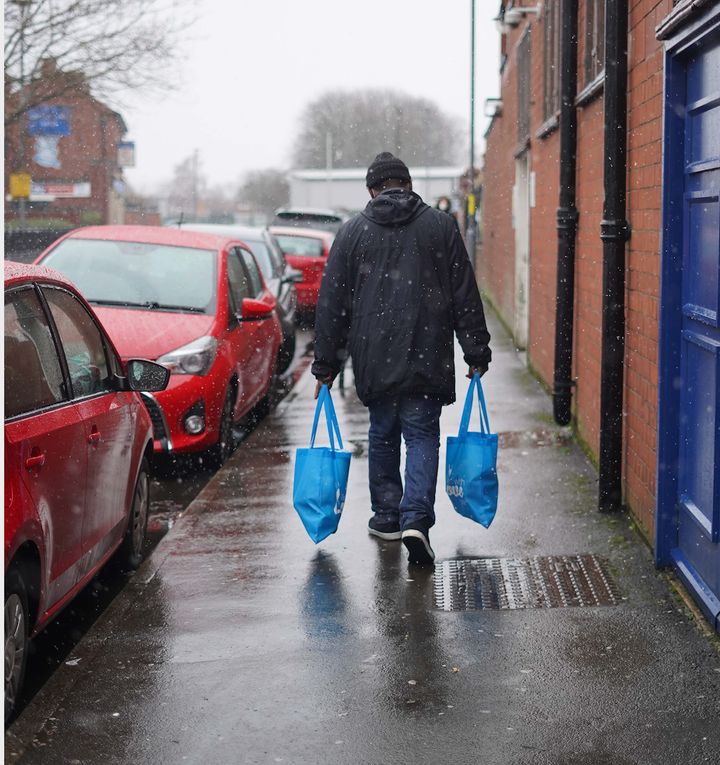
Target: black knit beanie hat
{"type": "Point", "coordinates": [384, 167]}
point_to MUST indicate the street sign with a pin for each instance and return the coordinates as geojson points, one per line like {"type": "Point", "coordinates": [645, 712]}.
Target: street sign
{"type": "Point", "coordinates": [126, 154]}
{"type": "Point", "coordinates": [20, 184]}
{"type": "Point", "coordinates": [48, 190]}
{"type": "Point", "coordinates": [49, 120]}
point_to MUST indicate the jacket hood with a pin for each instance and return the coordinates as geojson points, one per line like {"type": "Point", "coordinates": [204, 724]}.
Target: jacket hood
{"type": "Point", "coordinates": [394, 207]}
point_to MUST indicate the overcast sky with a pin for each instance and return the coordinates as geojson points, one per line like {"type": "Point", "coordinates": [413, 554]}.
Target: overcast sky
{"type": "Point", "coordinates": [251, 66]}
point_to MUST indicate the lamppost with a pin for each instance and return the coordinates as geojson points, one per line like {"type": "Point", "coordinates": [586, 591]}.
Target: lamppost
{"type": "Point", "coordinates": [328, 166]}
{"type": "Point", "coordinates": [23, 5]}
{"type": "Point", "coordinates": [470, 229]}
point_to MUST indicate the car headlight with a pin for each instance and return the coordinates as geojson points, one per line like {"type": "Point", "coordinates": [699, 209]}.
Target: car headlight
{"type": "Point", "coordinates": [195, 358]}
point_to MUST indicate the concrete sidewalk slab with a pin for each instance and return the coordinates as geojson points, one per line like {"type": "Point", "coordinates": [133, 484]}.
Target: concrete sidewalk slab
{"type": "Point", "coordinates": [239, 641]}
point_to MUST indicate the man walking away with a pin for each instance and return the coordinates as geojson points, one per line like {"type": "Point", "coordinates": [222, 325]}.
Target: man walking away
{"type": "Point", "coordinates": [396, 286]}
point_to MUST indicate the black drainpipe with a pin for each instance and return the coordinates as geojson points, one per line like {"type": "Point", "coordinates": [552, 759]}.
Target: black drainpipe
{"type": "Point", "coordinates": [614, 232]}
{"type": "Point", "coordinates": [567, 217]}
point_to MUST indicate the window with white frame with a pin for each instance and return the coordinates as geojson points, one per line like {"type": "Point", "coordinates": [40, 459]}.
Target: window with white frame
{"type": "Point", "coordinates": [524, 86]}
{"type": "Point", "coordinates": [594, 39]}
{"type": "Point", "coordinates": [551, 64]}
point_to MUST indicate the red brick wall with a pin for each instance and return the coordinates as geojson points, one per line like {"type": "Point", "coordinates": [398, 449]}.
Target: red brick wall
{"type": "Point", "coordinates": [588, 271]}
{"type": "Point", "coordinates": [645, 87]}
{"type": "Point", "coordinates": [645, 95]}
{"type": "Point", "coordinates": [497, 265]}
{"type": "Point", "coordinates": [497, 260]}
{"type": "Point", "coordinates": [543, 256]}
{"type": "Point", "coordinates": [545, 155]}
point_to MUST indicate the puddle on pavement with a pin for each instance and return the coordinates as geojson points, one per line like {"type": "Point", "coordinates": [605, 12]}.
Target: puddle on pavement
{"type": "Point", "coordinates": [163, 515]}
{"type": "Point", "coordinates": [534, 438]}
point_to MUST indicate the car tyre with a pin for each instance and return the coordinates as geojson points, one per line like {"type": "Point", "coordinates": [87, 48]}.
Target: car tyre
{"type": "Point", "coordinates": [219, 453]}
{"type": "Point", "coordinates": [130, 553]}
{"type": "Point", "coordinates": [17, 631]}
{"type": "Point", "coordinates": [286, 353]}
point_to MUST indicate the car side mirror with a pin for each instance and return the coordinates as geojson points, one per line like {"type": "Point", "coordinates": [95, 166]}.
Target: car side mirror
{"type": "Point", "coordinates": [292, 276]}
{"type": "Point", "coordinates": [147, 376]}
{"type": "Point", "coordinates": [255, 310]}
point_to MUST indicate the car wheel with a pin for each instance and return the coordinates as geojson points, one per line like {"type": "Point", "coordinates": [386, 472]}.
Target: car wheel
{"type": "Point", "coordinates": [16, 639]}
{"type": "Point", "coordinates": [219, 453]}
{"type": "Point", "coordinates": [131, 551]}
{"type": "Point", "coordinates": [286, 353]}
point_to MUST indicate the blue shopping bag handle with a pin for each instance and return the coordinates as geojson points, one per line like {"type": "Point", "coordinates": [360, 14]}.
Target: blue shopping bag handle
{"type": "Point", "coordinates": [325, 402]}
{"type": "Point", "coordinates": [467, 409]}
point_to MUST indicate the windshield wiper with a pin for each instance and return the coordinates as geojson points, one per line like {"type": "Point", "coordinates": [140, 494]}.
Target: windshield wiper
{"type": "Point", "coordinates": [155, 306]}
{"type": "Point", "coordinates": [152, 304]}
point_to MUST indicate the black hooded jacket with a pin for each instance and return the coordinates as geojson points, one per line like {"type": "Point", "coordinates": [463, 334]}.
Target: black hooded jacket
{"type": "Point", "coordinates": [397, 283]}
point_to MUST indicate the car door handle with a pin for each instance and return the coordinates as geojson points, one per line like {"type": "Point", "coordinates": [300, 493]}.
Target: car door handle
{"type": "Point", "coordinates": [36, 460]}
{"type": "Point", "coordinates": [94, 437]}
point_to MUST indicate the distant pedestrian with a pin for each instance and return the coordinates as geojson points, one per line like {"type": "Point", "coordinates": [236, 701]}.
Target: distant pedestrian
{"type": "Point", "coordinates": [444, 205]}
{"type": "Point", "coordinates": [397, 283]}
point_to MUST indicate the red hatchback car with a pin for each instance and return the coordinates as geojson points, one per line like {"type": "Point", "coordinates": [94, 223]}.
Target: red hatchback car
{"type": "Point", "coordinates": [77, 444]}
{"type": "Point", "coordinates": [307, 250]}
{"type": "Point", "coordinates": [194, 302]}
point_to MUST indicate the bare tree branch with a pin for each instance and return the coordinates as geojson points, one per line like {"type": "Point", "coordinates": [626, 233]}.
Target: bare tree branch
{"type": "Point", "coordinates": [365, 122]}
{"type": "Point", "coordinates": [265, 190]}
{"type": "Point", "coordinates": [114, 44]}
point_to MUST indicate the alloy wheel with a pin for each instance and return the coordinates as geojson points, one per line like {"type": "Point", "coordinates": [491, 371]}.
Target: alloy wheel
{"type": "Point", "coordinates": [15, 645]}
{"type": "Point", "coordinates": [226, 434]}
{"type": "Point", "coordinates": [141, 502]}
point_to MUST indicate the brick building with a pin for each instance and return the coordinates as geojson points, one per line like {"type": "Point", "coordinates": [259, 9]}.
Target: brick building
{"type": "Point", "coordinates": [71, 152]}
{"type": "Point", "coordinates": [604, 259]}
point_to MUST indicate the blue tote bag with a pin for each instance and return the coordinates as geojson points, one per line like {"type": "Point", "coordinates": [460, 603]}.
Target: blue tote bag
{"type": "Point", "coordinates": [321, 476]}
{"type": "Point", "coordinates": [471, 464]}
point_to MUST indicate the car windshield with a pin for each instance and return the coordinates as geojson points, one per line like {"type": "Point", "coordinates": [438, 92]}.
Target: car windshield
{"type": "Point", "coordinates": [300, 245]}
{"type": "Point", "coordinates": [139, 274]}
{"type": "Point", "coordinates": [260, 251]}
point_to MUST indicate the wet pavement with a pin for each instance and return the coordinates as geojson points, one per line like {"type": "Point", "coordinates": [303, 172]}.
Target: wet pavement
{"type": "Point", "coordinates": [175, 485]}
{"type": "Point", "coordinates": [170, 495]}
{"type": "Point", "coordinates": [239, 641]}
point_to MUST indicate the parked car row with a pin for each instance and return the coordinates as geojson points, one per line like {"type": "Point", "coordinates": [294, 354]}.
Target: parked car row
{"type": "Point", "coordinates": [195, 302]}
{"type": "Point", "coordinates": [310, 217]}
{"type": "Point", "coordinates": [306, 250]}
{"type": "Point", "coordinates": [123, 343]}
{"type": "Point", "coordinates": [280, 277]}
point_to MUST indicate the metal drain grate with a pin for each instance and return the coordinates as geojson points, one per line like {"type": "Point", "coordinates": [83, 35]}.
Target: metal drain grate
{"type": "Point", "coordinates": [510, 583]}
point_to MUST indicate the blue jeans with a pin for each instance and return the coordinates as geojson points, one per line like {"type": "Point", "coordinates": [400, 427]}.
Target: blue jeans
{"type": "Point", "coordinates": [417, 419]}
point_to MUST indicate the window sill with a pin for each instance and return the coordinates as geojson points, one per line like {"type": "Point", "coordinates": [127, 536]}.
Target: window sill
{"type": "Point", "coordinates": [522, 147]}
{"type": "Point", "coordinates": [549, 126]}
{"type": "Point", "coordinates": [591, 91]}
{"type": "Point", "coordinates": [681, 14]}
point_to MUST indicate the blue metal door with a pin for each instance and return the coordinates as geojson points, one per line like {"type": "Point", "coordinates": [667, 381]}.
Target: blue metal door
{"type": "Point", "coordinates": [693, 142]}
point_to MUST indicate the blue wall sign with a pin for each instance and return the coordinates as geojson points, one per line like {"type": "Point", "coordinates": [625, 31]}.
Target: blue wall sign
{"type": "Point", "coordinates": [49, 120]}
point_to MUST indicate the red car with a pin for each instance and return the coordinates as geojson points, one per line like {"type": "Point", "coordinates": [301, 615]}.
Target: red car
{"type": "Point", "coordinates": [307, 250]}
{"type": "Point", "coordinates": [77, 444]}
{"type": "Point", "coordinates": [194, 302]}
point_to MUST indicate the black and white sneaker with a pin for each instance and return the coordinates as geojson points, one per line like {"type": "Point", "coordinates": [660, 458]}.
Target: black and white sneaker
{"type": "Point", "coordinates": [387, 530]}
{"type": "Point", "coordinates": [417, 542]}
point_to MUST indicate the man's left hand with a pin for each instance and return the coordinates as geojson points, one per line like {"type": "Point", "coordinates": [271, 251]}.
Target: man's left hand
{"type": "Point", "coordinates": [471, 372]}
{"type": "Point", "coordinates": [323, 381]}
